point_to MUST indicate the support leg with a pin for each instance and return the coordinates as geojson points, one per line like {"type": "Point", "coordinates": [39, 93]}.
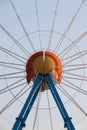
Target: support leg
{"type": "Point", "coordinates": [59, 103]}
{"type": "Point", "coordinates": [20, 121]}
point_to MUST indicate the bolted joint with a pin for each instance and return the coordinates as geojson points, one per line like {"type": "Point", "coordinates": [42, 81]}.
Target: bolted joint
{"type": "Point", "coordinates": [67, 120]}
{"type": "Point", "coordinates": [21, 121]}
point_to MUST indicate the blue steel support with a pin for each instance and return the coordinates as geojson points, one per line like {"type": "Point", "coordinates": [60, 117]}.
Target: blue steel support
{"type": "Point", "coordinates": [20, 121]}
{"type": "Point", "coordinates": [59, 103]}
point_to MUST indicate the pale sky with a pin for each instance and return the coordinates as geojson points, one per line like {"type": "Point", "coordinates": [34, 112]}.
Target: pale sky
{"type": "Point", "coordinates": [59, 26]}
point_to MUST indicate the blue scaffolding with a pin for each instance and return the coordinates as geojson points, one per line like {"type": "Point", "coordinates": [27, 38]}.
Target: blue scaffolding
{"type": "Point", "coordinates": [21, 119]}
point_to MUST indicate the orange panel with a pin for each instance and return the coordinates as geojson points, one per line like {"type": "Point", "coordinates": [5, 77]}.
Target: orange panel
{"type": "Point", "coordinates": [52, 64]}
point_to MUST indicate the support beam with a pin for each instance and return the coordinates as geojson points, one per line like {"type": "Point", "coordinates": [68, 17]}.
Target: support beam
{"type": "Point", "coordinates": [20, 120]}
{"type": "Point", "coordinates": [68, 123]}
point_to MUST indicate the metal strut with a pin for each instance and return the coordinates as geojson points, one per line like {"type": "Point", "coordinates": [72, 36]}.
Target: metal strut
{"type": "Point", "coordinates": [20, 120]}
{"type": "Point", "coordinates": [67, 120]}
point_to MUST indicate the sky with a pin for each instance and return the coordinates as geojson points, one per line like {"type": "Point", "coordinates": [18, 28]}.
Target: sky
{"type": "Point", "coordinates": [28, 26]}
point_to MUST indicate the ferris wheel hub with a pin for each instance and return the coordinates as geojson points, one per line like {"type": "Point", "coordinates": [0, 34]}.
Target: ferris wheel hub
{"type": "Point", "coordinates": [44, 62]}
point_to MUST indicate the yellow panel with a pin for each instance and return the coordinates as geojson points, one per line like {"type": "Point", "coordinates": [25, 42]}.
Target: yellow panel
{"type": "Point", "coordinates": [43, 64]}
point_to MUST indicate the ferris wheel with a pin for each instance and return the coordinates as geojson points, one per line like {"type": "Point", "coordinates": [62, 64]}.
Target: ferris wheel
{"type": "Point", "coordinates": [43, 65]}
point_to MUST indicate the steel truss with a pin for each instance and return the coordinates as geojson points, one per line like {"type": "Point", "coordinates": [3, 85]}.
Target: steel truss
{"type": "Point", "coordinates": [21, 119]}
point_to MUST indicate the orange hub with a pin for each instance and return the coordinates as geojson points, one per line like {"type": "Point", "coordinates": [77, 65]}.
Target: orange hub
{"type": "Point", "coordinates": [44, 62]}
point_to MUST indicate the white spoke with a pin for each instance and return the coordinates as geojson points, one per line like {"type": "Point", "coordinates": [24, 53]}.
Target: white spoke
{"type": "Point", "coordinates": [11, 86]}
{"type": "Point", "coordinates": [38, 24]}
{"type": "Point", "coordinates": [22, 25]}
{"type": "Point", "coordinates": [69, 26]}
{"type": "Point", "coordinates": [74, 87]}
{"type": "Point", "coordinates": [72, 100]}
{"type": "Point", "coordinates": [78, 68]}
{"type": "Point", "coordinates": [75, 78]}
{"type": "Point", "coordinates": [49, 111]}
{"type": "Point", "coordinates": [12, 75]}
{"type": "Point", "coordinates": [53, 25]}
{"type": "Point", "coordinates": [11, 65]}
{"type": "Point", "coordinates": [76, 65]}
{"type": "Point", "coordinates": [37, 107]}
{"type": "Point", "coordinates": [74, 57]}
{"type": "Point", "coordinates": [14, 40]}
{"type": "Point", "coordinates": [15, 98]}
{"type": "Point", "coordinates": [12, 54]}
{"type": "Point", "coordinates": [77, 41]}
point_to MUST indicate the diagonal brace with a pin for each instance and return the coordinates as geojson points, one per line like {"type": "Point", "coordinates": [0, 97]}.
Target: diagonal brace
{"type": "Point", "coordinates": [65, 116]}
{"type": "Point", "coordinates": [20, 120]}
